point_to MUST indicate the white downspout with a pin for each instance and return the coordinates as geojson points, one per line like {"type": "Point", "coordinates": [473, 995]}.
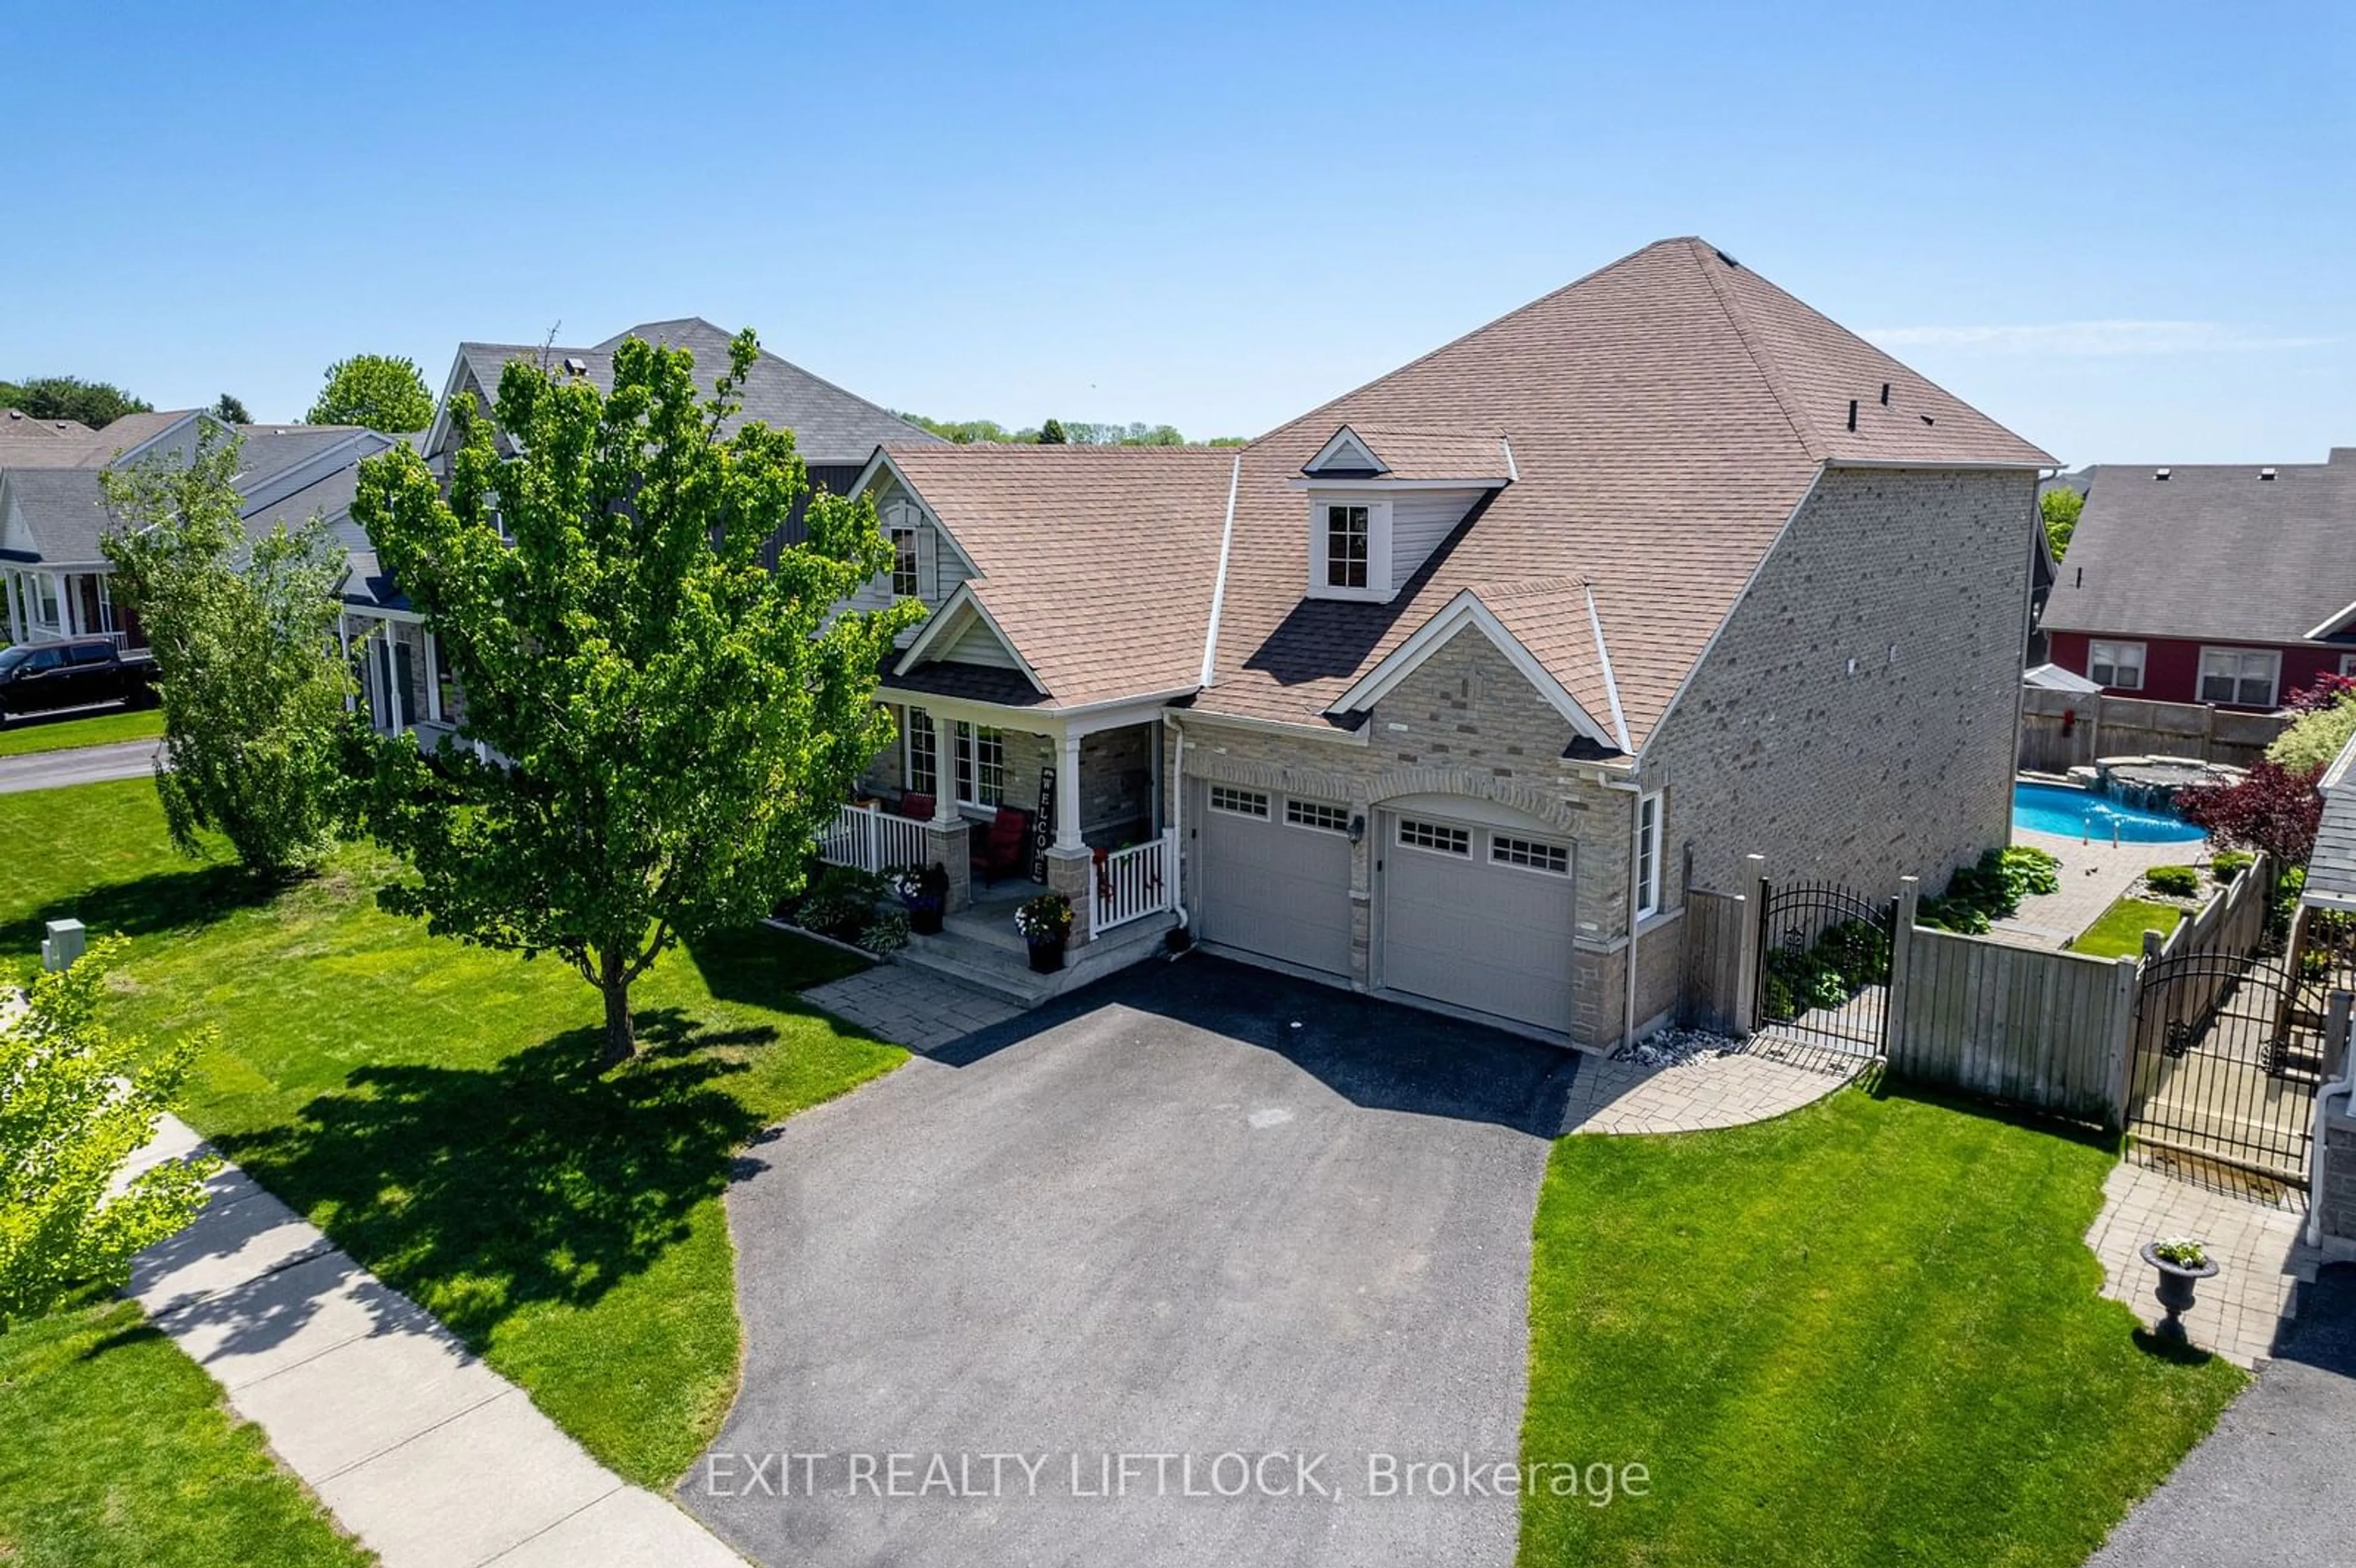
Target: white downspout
{"type": "Point", "coordinates": [1178, 817]}
{"type": "Point", "coordinates": [1635, 792]}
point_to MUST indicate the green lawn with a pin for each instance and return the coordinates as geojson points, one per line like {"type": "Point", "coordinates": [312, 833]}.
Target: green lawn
{"type": "Point", "coordinates": [1864, 1334]}
{"type": "Point", "coordinates": [119, 1454]}
{"type": "Point", "coordinates": [2117, 933]}
{"type": "Point", "coordinates": [436, 1109]}
{"type": "Point", "coordinates": [25, 736]}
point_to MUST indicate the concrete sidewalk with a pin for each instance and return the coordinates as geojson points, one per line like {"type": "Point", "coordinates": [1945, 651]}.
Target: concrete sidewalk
{"type": "Point", "coordinates": [78, 765]}
{"type": "Point", "coordinates": [431, 1458]}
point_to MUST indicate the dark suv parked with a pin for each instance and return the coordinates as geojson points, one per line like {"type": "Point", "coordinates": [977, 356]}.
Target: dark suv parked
{"type": "Point", "coordinates": [75, 673]}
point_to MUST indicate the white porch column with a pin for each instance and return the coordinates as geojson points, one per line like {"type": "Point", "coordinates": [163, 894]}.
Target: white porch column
{"type": "Point", "coordinates": [944, 807]}
{"type": "Point", "coordinates": [8, 590]}
{"type": "Point", "coordinates": [1067, 795]}
{"type": "Point", "coordinates": [69, 616]}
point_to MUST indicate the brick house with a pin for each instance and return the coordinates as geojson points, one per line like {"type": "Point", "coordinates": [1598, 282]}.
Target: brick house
{"type": "Point", "coordinates": [2231, 584]}
{"type": "Point", "coordinates": [1449, 689]}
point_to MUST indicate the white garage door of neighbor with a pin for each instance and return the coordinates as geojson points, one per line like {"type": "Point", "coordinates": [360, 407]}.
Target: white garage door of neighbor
{"type": "Point", "coordinates": [1275, 876]}
{"type": "Point", "coordinates": [1478, 917]}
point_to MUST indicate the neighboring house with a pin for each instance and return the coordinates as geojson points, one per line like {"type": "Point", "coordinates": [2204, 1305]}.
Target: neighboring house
{"type": "Point", "coordinates": [405, 681]}
{"type": "Point", "coordinates": [1453, 686]}
{"type": "Point", "coordinates": [2229, 584]}
{"type": "Point", "coordinates": [53, 513]}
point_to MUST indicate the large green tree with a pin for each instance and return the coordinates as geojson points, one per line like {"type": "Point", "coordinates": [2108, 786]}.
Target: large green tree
{"type": "Point", "coordinates": [251, 687]}
{"type": "Point", "coordinates": [669, 723]}
{"type": "Point", "coordinates": [382, 391]}
{"type": "Point", "coordinates": [75, 1103]}
{"type": "Point", "coordinates": [95, 403]}
{"type": "Point", "coordinates": [2061, 507]}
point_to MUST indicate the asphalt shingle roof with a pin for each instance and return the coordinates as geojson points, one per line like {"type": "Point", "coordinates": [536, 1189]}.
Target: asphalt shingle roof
{"type": "Point", "coordinates": [2211, 551]}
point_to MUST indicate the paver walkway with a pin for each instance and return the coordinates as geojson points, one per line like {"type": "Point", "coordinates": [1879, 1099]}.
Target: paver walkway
{"type": "Point", "coordinates": [1765, 1079]}
{"type": "Point", "coordinates": [2093, 875]}
{"type": "Point", "coordinates": [2254, 1241]}
{"type": "Point", "coordinates": [910, 1007]}
{"type": "Point", "coordinates": [431, 1458]}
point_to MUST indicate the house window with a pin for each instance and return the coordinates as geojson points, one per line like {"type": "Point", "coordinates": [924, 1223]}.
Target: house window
{"type": "Point", "coordinates": [922, 764]}
{"type": "Point", "coordinates": [1346, 536]}
{"type": "Point", "coordinates": [2243, 677]}
{"type": "Point", "coordinates": [904, 563]}
{"type": "Point", "coordinates": [2116, 664]}
{"type": "Point", "coordinates": [446, 684]}
{"type": "Point", "coordinates": [1318, 814]}
{"type": "Point", "coordinates": [1648, 856]}
{"type": "Point", "coordinates": [981, 764]}
{"type": "Point", "coordinates": [1530, 854]}
{"type": "Point", "coordinates": [45, 590]}
{"type": "Point", "coordinates": [1239, 801]}
{"type": "Point", "coordinates": [1435, 836]}
{"type": "Point", "coordinates": [2348, 664]}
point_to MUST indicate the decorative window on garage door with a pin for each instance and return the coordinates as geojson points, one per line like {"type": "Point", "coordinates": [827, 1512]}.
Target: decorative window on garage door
{"type": "Point", "coordinates": [1317, 814]}
{"type": "Point", "coordinates": [1239, 802]}
{"type": "Point", "coordinates": [1435, 836]}
{"type": "Point", "coordinates": [1529, 854]}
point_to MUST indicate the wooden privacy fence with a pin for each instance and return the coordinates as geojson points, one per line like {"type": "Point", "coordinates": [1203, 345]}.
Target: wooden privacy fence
{"type": "Point", "coordinates": [2064, 729]}
{"type": "Point", "coordinates": [1718, 944]}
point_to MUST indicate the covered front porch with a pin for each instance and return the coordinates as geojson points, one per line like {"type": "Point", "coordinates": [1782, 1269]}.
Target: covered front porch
{"type": "Point", "coordinates": [40, 604]}
{"type": "Point", "coordinates": [1011, 799]}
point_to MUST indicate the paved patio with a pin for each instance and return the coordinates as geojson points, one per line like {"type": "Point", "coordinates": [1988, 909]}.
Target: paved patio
{"type": "Point", "coordinates": [2251, 1226]}
{"type": "Point", "coordinates": [910, 1007]}
{"type": "Point", "coordinates": [2093, 875]}
{"type": "Point", "coordinates": [1768, 1078]}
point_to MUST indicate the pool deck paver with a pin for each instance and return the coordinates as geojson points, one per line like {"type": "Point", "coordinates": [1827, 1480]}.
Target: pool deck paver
{"type": "Point", "coordinates": [2094, 876]}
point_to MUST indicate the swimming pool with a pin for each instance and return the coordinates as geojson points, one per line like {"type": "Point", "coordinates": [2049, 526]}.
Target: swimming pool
{"type": "Point", "coordinates": [2083, 814]}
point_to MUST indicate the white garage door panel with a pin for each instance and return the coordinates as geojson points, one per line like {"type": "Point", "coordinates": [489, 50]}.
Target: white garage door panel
{"type": "Point", "coordinates": [1274, 888]}
{"type": "Point", "coordinates": [1463, 930]}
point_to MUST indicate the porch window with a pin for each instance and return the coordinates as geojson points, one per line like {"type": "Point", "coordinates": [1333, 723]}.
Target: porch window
{"type": "Point", "coordinates": [981, 764]}
{"type": "Point", "coordinates": [1346, 533]}
{"type": "Point", "coordinates": [2117, 664]}
{"type": "Point", "coordinates": [2243, 677]}
{"type": "Point", "coordinates": [45, 600]}
{"type": "Point", "coordinates": [1648, 856]}
{"type": "Point", "coordinates": [921, 766]}
{"type": "Point", "coordinates": [904, 563]}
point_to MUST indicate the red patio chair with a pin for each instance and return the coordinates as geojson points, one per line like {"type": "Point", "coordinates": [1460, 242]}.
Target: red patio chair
{"type": "Point", "coordinates": [916, 807]}
{"type": "Point", "coordinates": [1002, 847]}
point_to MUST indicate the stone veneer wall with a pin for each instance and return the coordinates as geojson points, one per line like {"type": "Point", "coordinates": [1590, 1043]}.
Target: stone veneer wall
{"type": "Point", "coordinates": [1902, 765]}
{"type": "Point", "coordinates": [2337, 1210]}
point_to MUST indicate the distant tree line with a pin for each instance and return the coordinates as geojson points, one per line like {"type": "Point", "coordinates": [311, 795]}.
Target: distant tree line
{"type": "Point", "coordinates": [1060, 433]}
{"type": "Point", "coordinates": [94, 403]}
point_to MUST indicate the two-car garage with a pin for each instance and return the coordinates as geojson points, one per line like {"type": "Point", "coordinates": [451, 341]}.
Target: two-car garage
{"type": "Point", "coordinates": [1471, 903]}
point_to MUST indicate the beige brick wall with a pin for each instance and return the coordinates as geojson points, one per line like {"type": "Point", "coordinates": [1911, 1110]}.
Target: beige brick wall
{"type": "Point", "coordinates": [1902, 765]}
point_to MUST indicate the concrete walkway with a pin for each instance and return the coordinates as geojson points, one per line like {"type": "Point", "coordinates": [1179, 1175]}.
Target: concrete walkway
{"type": "Point", "coordinates": [428, 1457]}
{"type": "Point", "coordinates": [2268, 1488]}
{"type": "Point", "coordinates": [1765, 1079]}
{"type": "Point", "coordinates": [78, 765]}
{"type": "Point", "coordinates": [2093, 875]}
{"type": "Point", "coordinates": [910, 1007]}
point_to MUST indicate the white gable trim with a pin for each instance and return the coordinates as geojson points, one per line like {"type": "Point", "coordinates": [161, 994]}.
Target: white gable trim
{"type": "Point", "coordinates": [1610, 682]}
{"type": "Point", "coordinates": [439, 430]}
{"type": "Point", "coordinates": [959, 610]}
{"type": "Point", "coordinates": [1219, 584]}
{"type": "Point", "coordinates": [1346, 442]}
{"type": "Point", "coordinates": [1466, 611]}
{"type": "Point", "coordinates": [881, 465]}
{"type": "Point", "coordinates": [2335, 622]}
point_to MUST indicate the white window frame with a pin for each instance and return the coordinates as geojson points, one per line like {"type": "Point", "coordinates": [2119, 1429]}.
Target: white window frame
{"type": "Point", "coordinates": [1233, 800]}
{"type": "Point", "coordinates": [916, 721]}
{"type": "Point", "coordinates": [2348, 664]}
{"type": "Point", "coordinates": [2108, 651]}
{"type": "Point", "coordinates": [2273, 658]}
{"type": "Point", "coordinates": [973, 766]}
{"type": "Point", "coordinates": [912, 577]}
{"type": "Point", "coordinates": [1316, 815]}
{"type": "Point", "coordinates": [1456, 842]}
{"type": "Point", "coordinates": [1528, 851]}
{"type": "Point", "coordinates": [48, 602]}
{"type": "Point", "coordinates": [1378, 546]}
{"type": "Point", "coordinates": [1649, 823]}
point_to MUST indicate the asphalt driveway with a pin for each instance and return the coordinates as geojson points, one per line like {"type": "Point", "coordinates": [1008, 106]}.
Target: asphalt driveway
{"type": "Point", "coordinates": [1198, 1213]}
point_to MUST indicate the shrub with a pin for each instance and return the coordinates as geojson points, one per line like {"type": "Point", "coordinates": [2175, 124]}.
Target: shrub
{"type": "Point", "coordinates": [2173, 881]}
{"type": "Point", "coordinates": [1776, 997]}
{"type": "Point", "coordinates": [1858, 951]}
{"type": "Point", "coordinates": [1948, 914]}
{"type": "Point", "coordinates": [2227, 864]}
{"type": "Point", "coordinates": [2316, 736]}
{"type": "Point", "coordinates": [887, 932]}
{"type": "Point", "coordinates": [2272, 809]}
{"type": "Point", "coordinates": [840, 902]}
{"type": "Point", "coordinates": [1808, 980]}
{"type": "Point", "coordinates": [2028, 870]}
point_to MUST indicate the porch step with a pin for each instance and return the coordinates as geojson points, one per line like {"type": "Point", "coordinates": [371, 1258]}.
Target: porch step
{"type": "Point", "coordinates": [965, 953]}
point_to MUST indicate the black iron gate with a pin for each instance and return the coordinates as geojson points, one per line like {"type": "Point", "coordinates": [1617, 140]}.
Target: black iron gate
{"type": "Point", "coordinates": [2226, 1062]}
{"type": "Point", "coordinates": [1824, 965]}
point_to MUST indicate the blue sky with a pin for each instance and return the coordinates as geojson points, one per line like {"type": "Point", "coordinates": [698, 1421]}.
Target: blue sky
{"type": "Point", "coordinates": [2126, 231]}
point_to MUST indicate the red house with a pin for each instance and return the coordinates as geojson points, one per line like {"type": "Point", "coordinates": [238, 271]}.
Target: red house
{"type": "Point", "coordinates": [2233, 584]}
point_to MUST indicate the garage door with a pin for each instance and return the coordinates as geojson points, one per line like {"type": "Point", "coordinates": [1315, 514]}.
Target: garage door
{"type": "Point", "coordinates": [1478, 917]}
{"type": "Point", "coordinates": [1275, 878]}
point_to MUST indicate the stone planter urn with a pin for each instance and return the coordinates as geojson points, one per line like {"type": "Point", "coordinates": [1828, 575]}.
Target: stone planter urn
{"type": "Point", "coordinates": [2176, 1281]}
{"type": "Point", "coordinates": [1046, 954]}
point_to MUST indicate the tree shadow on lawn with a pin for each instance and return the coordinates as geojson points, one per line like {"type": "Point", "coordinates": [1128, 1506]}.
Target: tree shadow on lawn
{"type": "Point", "coordinates": [1883, 1087]}
{"type": "Point", "coordinates": [481, 1191]}
{"type": "Point", "coordinates": [161, 900]}
{"type": "Point", "coordinates": [762, 967]}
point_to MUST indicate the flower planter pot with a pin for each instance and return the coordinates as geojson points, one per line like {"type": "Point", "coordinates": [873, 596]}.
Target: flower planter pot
{"type": "Point", "coordinates": [2175, 1292]}
{"type": "Point", "coordinates": [1046, 957]}
{"type": "Point", "coordinates": [925, 916]}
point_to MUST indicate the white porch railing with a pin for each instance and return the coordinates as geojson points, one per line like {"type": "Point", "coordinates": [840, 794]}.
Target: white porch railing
{"type": "Point", "coordinates": [871, 840]}
{"type": "Point", "coordinates": [1134, 882]}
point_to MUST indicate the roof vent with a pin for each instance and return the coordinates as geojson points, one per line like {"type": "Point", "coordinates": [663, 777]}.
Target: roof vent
{"type": "Point", "coordinates": [1885, 394]}
{"type": "Point", "coordinates": [2266, 473]}
{"type": "Point", "coordinates": [1928, 420]}
{"type": "Point", "coordinates": [2159, 474]}
{"type": "Point", "coordinates": [1729, 259]}
{"type": "Point", "coordinates": [1852, 413]}
{"type": "Point", "coordinates": [577, 365]}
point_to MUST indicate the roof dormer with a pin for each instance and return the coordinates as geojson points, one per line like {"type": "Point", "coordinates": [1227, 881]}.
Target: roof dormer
{"type": "Point", "coordinates": [1382, 499]}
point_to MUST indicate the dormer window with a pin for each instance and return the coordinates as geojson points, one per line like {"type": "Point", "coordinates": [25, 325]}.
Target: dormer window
{"type": "Point", "coordinates": [904, 563]}
{"type": "Point", "coordinates": [1346, 546]}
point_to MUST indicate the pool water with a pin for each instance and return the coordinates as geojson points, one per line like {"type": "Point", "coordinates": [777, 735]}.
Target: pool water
{"type": "Point", "coordinates": [2082, 813]}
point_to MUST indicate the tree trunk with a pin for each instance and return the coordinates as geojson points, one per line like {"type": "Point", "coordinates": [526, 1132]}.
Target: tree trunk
{"type": "Point", "coordinates": [621, 1028]}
